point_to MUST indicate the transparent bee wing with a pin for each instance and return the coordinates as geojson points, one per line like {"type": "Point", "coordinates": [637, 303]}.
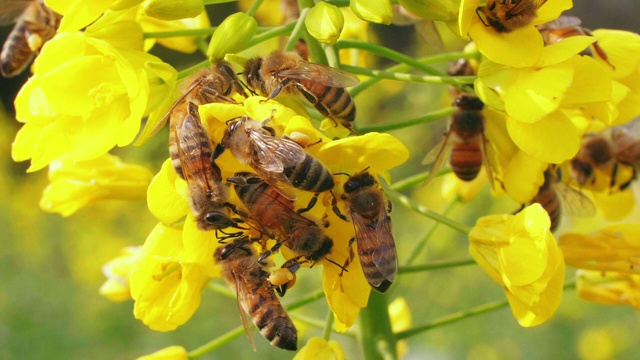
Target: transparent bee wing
{"type": "Point", "coordinates": [437, 156]}
{"type": "Point", "coordinates": [321, 74]}
{"type": "Point", "coordinates": [574, 202]}
{"type": "Point", "coordinates": [521, 6]}
{"type": "Point", "coordinates": [274, 154]}
{"type": "Point", "coordinates": [242, 293]}
{"type": "Point", "coordinates": [485, 160]}
{"type": "Point", "coordinates": [10, 10]}
{"type": "Point", "coordinates": [381, 242]}
{"type": "Point", "coordinates": [193, 142]}
{"type": "Point", "coordinates": [562, 22]}
{"type": "Point", "coordinates": [178, 102]}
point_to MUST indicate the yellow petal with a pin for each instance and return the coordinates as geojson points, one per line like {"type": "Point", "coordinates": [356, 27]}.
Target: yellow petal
{"type": "Point", "coordinates": [170, 353]}
{"type": "Point", "coordinates": [162, 198]}
{"type": "Point", "coordinates": [519, 48]}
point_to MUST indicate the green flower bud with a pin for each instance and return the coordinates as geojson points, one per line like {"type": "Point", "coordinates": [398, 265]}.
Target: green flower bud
{"type": "Point", "coordinates": [173, 9]}
{"type": "Point", "coordinates": [231, 36]}
{"type": "Point", "coordinates": [440, 10]}
{"type": "Point", "coordinates": [324, 22]}
{"type": "Point", "coordinates": [377, 11]}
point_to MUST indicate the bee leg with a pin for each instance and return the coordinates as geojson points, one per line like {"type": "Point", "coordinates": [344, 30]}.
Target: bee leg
{"type": "Point", "coordinates": [481, 18]}
{"type": "Point", "coordinates": [291, 265]}
{"type": "Point", "coordinates": [335, 208]}
{"type": "Point", "coordinates": [350, 258]}
{"type": "Point", "coordinates": [227, 236]}
{"type": "Point", "coordinates": [267, 253]}
{"type": "Point", "coordinates": [389, 206]}
{"type": "Point", "coordinates": [624, 186]}
{"type": "Point", "coordinates": [310, 205]}
{"type": "Point", "coordinates": [217, 152]}
{"type": "Point", "coordinates": [279, 88]}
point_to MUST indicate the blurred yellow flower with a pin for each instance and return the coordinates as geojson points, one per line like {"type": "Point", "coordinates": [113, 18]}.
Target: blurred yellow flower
{"type": "Point", "coordinates": [117, 272]}
{"type": "Point", "coordinates": [400, 316]}
{"type": "Point", "coordinates": [519, 253]}
{"type": "Point", "coordinates": [78, 14]}
{"type": "Point", "coordinates": [170, 353]}
{"type": "Point", "coordinates": [319, 349]}
{"type": "Point", "coordinates": [613, 248]}
{"type": "Point", "coordinates": [609, 288]}
{"type": "Point", "coordinates": [74, 184]}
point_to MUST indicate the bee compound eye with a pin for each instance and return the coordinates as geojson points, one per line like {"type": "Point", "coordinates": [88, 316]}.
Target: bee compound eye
{"type": "Point", "coordinates": [350, 186]}
{"type": "Point", "coordinates": [216, 219]}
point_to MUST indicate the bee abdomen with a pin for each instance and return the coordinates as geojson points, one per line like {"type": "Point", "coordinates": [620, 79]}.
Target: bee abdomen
{"type": "Point", "coordinates": [274, 323]}
{"type": "Point", "coordinates": [466, 161]}
{"type": "Point", "coordinates": [333, 101]}
{"type": "Point", "coordinates": [375, 273]}
{"type": "Point", "coordinates": [310, 175]}
{"type": "Point", "coordinates": [16, 53]}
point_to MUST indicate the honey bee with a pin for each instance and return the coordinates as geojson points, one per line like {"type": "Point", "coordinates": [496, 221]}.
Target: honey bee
{"type": "Point", "coordinates": [208, 195]}
{"type": "Point", "coordinates": [567, 26]}
{"type": "Point", "coordinates": [274, 215]}
{"type": "Point", "coordinates": [369, 210]}
{"type": "Point", "coordinates": [557, 198]}
{"type": "Point", "coordinates": [276, 159]}
{"type": "Point", "coordinates": [35, 24]}
{"type": "Point", "coordinates": [321, 85]}
{"type": "Point", "coordinates": [507, 15]}
{"type": "Point", "coordinates": [606, 152]}
{"type": "Point", "coordinates": [465, 140]}
{"type": "Point", "coordinates": [256, 298]}
{"type": "Point", "coordinates": [460, 67]}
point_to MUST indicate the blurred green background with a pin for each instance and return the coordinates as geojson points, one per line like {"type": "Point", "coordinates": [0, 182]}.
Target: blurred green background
{"type": "Point", "coordinates": [50, 267]}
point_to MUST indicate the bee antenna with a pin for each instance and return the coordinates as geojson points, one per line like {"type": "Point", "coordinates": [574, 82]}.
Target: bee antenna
{"type": "Point", "coordinates": [338, 265]}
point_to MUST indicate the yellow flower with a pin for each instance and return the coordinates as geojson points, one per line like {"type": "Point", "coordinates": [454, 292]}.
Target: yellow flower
{"type": "Point", "coordinates": [518, 48]}
{"type": "Point", "coordinates": [184, 44]}
{"type": "Point", "coordinates": [519, 253]}
{"type": "Point", "coordinates": [170, 353]}
{"type": "Point", "coordinates": [166, 289]}
{"type": "Point", "coordinates": [74, 184]}
{"type": "Point", "coordinates": [85, 97]}
{"type": "Point", "coordinates": [614, 248]}
{"type": "Point", "coordinates": [319, 349]}
{"type": "Point", "coordinates": [609, 288]}
{"type": "Point", "coordinates": [117, 272]}
{"type": "Point", "coordinates": [400, 316]}
{"type": "Point", "coordinates": [80, 13]}
{"type": "Point", "coordinates": [324, 22]}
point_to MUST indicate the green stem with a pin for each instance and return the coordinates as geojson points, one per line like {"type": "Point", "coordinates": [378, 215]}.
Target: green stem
{"type": "Point", "coordinates": [332, 55]}
{"type": "Point", "coordinates": [215, 343]}
{"type": "Point", "coordinates": [328, 326]}
{"type": "Point", "coordinates": [387, 53]}
{"type": "Point", "coordinates": [427, 79]}
{"type": "Point", "coordinates": [436, 265]}
{"type": "Point", "coordinates": [297, 31]}
{"type": "Point", "coordinates": [221, 289]}
{"type": "Point", "coordinates": [452, 318]}
{"type": "Point", "coordinates": [254, 7]}
{"type": "Point", "coordinates": [419, 245]}
{"type": "Point", "coordinates": [415, 180]}
{"type": "Point", "coordinates": [422, 210]}
{"type": "Point", "coordinates": [213, 2]}
{"type": "Point", "coordinates": [375, 336]}
{"type": "Point", "coordinates": [190, 70]}
{"type": "Point", "coordinates": [275, 32]}
{"type": "Point", "coordinates": [177, 33]}
{"type": "Point", "coordinates": [436, 115]}
{"type": "Point", "coordinates": [306, 300]}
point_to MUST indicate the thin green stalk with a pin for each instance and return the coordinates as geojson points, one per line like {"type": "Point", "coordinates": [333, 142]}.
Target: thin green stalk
{"type": "Point", "coordinates": [452, 318]}
{"type": "Point", "coordinates": [275, 32]}
{"type": "Point", "coordinates": [213, 2]}
{"type": "Point", "coordinates": [415, 180]}
{"type": "Point", "coordinates": [221, 289]}
{"type": "Point", "coordinates": [423, 210]}
{"type": "Point", "coordinates": [375, 332]}
{"type": "Point", "coordinates": [311, 321]}
{"type": "Point", "coordinates": [332, 55]}
{"type": "Point", "coordinates": [432, 116]}
{"type": "Point", "coordinates": [215, 343]}
{"type": "Point", "coordinates": [254, 7]}
{"type": "Point", "coordinates": [436, 265]}
{"type": "Point", "coordinates": [177, 33]}
{"type": "Point", "coordinates": [306, 300]}
{"type": "Point", "coordinates": [387, 53]}
{"type": "Point", "coordinates": [297, 31]}
{"type": "Point", "coordinates": [419, 245]}
{"type": "Point", "coordinates": [427, 79]}
{"type": "Point", "coordinates": [328, 326]}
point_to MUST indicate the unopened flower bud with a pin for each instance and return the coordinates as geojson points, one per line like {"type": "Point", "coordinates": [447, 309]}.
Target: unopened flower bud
{"type": "Point", "coordinates": [231, 36]}
{"type": "Point", "coordinates": [377, 11]}
{"type": "Point", "coordinates": [172, 9]}
{"type": "Point", "coordinates": [324, 22]}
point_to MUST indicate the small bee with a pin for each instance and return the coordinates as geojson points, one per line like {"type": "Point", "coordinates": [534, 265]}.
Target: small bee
{"type": "Point", "coordinates": [276, 159]}
{"type": "Point", "coordinates": [256, 297]}
{"type": "Point", "coordinates": [465, 140]}
{"type": "Point", "coordinates": [35, 24]}
{"type": "Point", "coordinates": [208, 198]}
{"type": "Point", "coordinates": [204, 87]}
{"type": "Point", "coordinates": [557, 198]}
{"type": "Point", "coordinates": [369, 210]}
{"type": "Point", "coordinates": [321, 85]}
{"type": "Point", "coordinates": [274, 215]}
{"type": "Point", "coordinates": [567, 26]}
{"type": "Point", "coordinates": [507, 15]}
{"type": "Point", "coordinates": [460, 67]}
{"type": "Point", "coordinates": [605, 152]}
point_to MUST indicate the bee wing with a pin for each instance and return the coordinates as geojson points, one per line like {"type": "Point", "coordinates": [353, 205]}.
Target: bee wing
{"type": "Point", "coordinates": [321, 74]}
{"type": "Point", "coordinates": [485, 159]}
{"type": "Point", "coordinates": [381, 240]}
{"type": "Point", "coordinates": [178, 102]}
{"type": "Point", "coordinates": [194, 139]}
{"type": "Point", "coordinates": [522, 5]}
{"type": "Point", "coordinates": [437, 157]}
{"type": "Point", "coordinates": [242, 293]}
{"type": "Point", "coordinates": [562, 22]}
{"type": "Point", "coordinates": [574, 202]}
{"type": "Point", "coordinates": [274, 154]}
{"type": "Point", "coordinates": [10, 10]}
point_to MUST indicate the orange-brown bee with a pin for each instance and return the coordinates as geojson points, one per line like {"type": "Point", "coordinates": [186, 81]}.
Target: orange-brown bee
{"type": "Point", "coordinates": [567, 26]}
{"type": "Point", "coordinates": [369, 210]}
{"type": "Point", "coordinates": [208, 198]}
{"type": "Point", "coordinates": [35, 24]}
{"type": "Point", "coordinates": [507, 15]}
{"type": "Point", "coordinates": [256, 298]}
{"type": "Point", "coordinates": [558, 198]}
{"type": "Point", "coordinates": [208, 85]}
{"type": "Point", "coordinates": [465, 140]}
{"type": "Point", "coordinates": [276, 159]}
{"type": "Point", "coordinates": [273, 215]}
{"type": "Point", "coordinates": [321, 85]}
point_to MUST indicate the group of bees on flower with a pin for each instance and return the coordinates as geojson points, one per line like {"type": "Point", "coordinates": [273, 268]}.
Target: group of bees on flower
{"type": "Point", "coordinates": [281, 164]}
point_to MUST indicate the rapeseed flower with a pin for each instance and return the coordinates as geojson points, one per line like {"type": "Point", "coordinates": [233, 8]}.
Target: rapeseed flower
{"type": "Point", "coordinates": [519, 253]}
{"type": "Point", "coordinates": [609, 288]}
{"type": "Point", "coordinates": [169, 353]}
{"type": "Point", "coordinates": [319, 348]}
{"type": "Point", "coordinates": [75, 184]}
{"type": "Point", "coordinates": [117, 272]}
